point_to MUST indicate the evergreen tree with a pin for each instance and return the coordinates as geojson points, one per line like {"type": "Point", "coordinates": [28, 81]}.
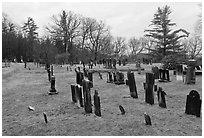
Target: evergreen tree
{"type": "Point", "coordinates": [167, 40]}
{"type": "Point", "coordinates": [30, 30]}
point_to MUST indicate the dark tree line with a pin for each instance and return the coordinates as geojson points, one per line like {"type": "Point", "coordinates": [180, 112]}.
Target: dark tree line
{"type": "Point", "coordinates": [72, 38]}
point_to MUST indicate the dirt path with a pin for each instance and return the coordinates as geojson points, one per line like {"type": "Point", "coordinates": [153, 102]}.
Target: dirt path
{"type": "Point", "coordinates": [29, 88]}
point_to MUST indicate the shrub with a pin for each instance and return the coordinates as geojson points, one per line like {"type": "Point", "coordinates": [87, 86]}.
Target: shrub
{"type": "Point", "coordinates": [62, 58]}
{"type": "Point", "coordinates": [171, 61]}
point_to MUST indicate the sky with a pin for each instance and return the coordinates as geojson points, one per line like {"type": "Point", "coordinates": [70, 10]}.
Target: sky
{"type": "Point", "coordinates": [126, 19]}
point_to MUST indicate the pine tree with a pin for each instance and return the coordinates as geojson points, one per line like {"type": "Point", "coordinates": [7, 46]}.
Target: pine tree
{"type": "Point", "coordinates": [167, 40]}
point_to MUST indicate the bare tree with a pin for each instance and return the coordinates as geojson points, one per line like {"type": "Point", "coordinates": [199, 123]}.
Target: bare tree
{"type": "Point", "coordinates": [65, 28]}
{"type": "Point", "coordinates": [119, 46]}
{"type": "Point", "coordinates": [137, 45]}
{"type": "Point", "coordinates": [97, 32]}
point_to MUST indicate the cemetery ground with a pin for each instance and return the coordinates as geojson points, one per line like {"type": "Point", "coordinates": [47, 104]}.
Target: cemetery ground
{"type": "Point", "coordinates": [23, 87]}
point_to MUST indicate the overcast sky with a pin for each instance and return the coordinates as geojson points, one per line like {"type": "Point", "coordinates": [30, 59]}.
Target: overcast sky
{"type": "Point", "coordinates": [126, 19]}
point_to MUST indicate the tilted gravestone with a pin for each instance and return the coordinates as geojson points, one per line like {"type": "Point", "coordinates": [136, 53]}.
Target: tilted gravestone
{"type": "Point", "coordinates": [97, 105]}
{"type": "Point", "coordinates": [149, 94]}
{"type": "Point", "coordinates": [122, 109]}
{"type": "Point", "coordinates": [87, 96]}
{"type": "Point", "coordinates": [52, 88]}
{"type": "Point", "coordinates": [132, 84]}
{"type": "Point", "coordinates": [193, 103]}
{"type": "Point", "coordinates": [161, 98]}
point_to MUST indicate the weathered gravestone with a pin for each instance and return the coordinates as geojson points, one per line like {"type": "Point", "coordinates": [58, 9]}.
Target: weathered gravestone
{"type": "Point", "coordinates": [155, 70]}
{"type": "Point", "coordinates": [179, 72]}
{"type": "Point", "coordinates": [190, 73]}
{"type": "Point", "coordinates": [193, 103]}
{"type": "Point", "coordinates": [161, 98]}
{"type": "Point", "coordinates": [87, 96]}
{"type": "Point", "coordinates": [45, 117]}
{"type": "Point", "coordinates": [149, 94]}
{"type": "Point", "coordinates": [119, 78]}
{"type": "Point", "coordinates": [79, 76]}
{"type": "Point", "coordinates": [132, 84]}
{"type": "Point", "coordinates": [164, 75]}
{"type": "Point", "coordinates": [52, 88]}
{"type": "Point", "coordinates": [97, 105]}
{"type": "Point", "coordinates": [147, 119]}
{"type": "Point", "coordinates": [122, 109]}
{"type": "Point", "coordinates": [78, 92]}
{"type": "Point", "coordinates": [85, 72]}
{"type": "Point", "coordinates": [109, 77]}
{"type": "Point", "coordinates": [73, 91]}
{"type": "Point", "coordinates": [90, 78]}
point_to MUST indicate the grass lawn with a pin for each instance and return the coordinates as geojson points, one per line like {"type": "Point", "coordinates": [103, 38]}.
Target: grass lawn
{"type": "Point", "coordinates": [22, 88]}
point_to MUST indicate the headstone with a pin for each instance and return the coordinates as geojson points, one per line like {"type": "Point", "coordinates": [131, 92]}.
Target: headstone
{"type": "Point", "coordinates": [90, 78]}
{"type": "Point", "coordinates": [149, 95]}
{"type": "Point", "coordinates": [147, 119]}
{"type": "Point", "coordinates": [132, 84]}
{"type": "Point", "coordinates": [87, 96]}
{"type": "Point", "coordinates": [85, 72]}
{"type": "Point", "coordinates": [97, 105]}
{"type": "Point", "coordinates": [52, 88]}
{"type": "Point", "coordinates": [119, 78]}
{"type": "Point", "coordinates": [45, 117]}
{"type": "Point", "coordinates": [73, 91]}
{"type": "Point", "coordinates": [100, 75]}
{"type": "Point", "coordinates": [161, 98]}
{"type": "Point", "coordinates": [179, 72]}
{"type": "Point", "coordinates": [193, 103]}
{"type": "Point", "coordinates": [78, 94]}
{"type": "Point", "coordinates": [164, 75]}
{"type": "Point", "coordinates": [122, 109]}
{"type": "Point", "coordinates": [155, 70]}
{"type": "Point", "coordinates": [109, 77]}
{"type": "Point", "coordinates": [79, 77]}
{"type": "Point", "coordinates": [190, 75]}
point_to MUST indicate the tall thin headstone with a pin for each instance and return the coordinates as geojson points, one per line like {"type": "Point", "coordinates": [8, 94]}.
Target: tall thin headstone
{"type": "Point", "coordinates": [149, 94]}
{"type": "Point", "coordinates": [87, 96]}
{"type": "Point", "coordinates": [52, 88]}
{"type": "Point", "coordinates": [73, 93]}
{"type": "Point", "coordinates": [132, 84]}
{"type": "Point", "coordinates": [97, 105]}
{"type": "Point", "coordinates": [161, 98]}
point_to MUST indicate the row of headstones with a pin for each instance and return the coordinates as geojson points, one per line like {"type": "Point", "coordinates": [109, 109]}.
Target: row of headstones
{"type": "Point", "coordinates": [190, 73]}
{"type": "Point", "coordinates": [193, 102]}
{"type": "Point", "coordinates": [161, 74]}
{"type": "Point", "coordinates": [111, 63]}
{"type": "Point", "coordinates": [116, 77]}
{"type": "Point", "coordinates": [84, 81]}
